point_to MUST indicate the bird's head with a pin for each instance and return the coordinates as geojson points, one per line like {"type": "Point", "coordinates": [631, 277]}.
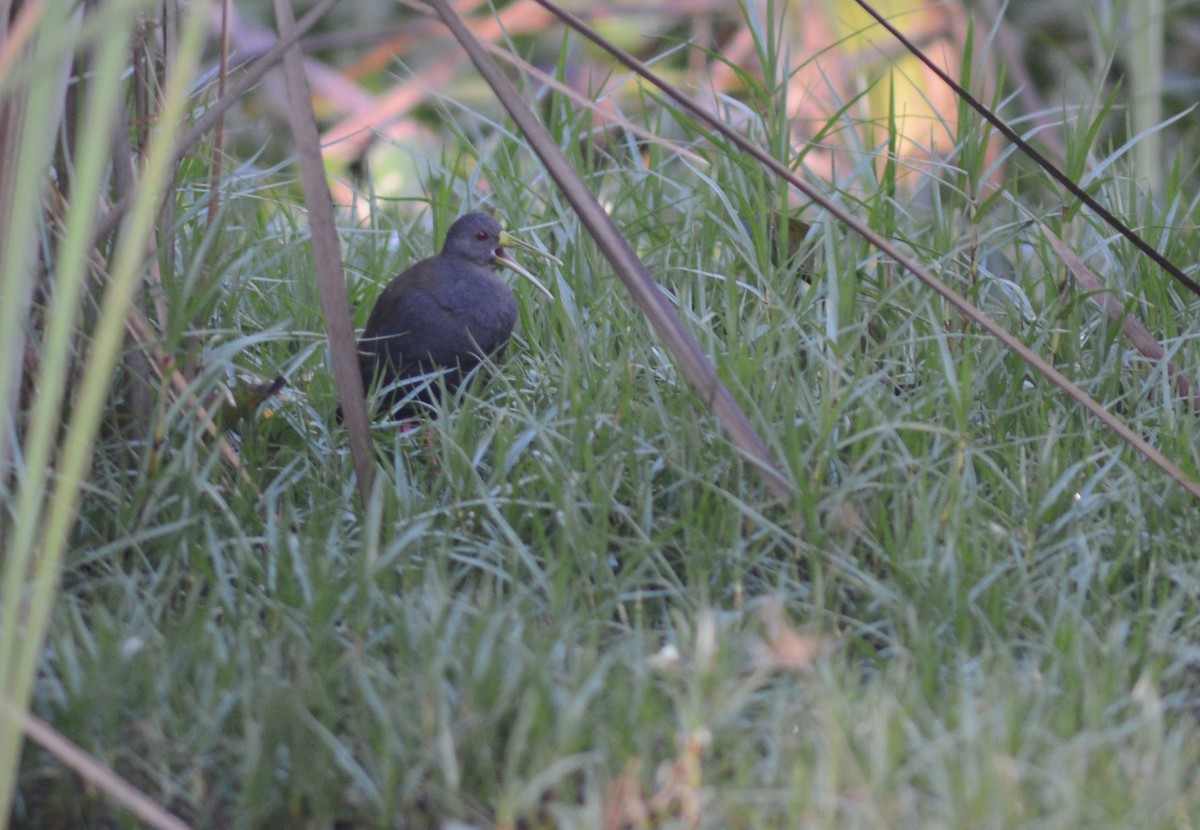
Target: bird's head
{"type": "Point", "coordinates": [479, 238]}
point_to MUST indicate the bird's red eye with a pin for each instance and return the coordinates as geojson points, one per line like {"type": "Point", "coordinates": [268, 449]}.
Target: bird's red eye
{"type": "Point", "coordinates": [481, 235]}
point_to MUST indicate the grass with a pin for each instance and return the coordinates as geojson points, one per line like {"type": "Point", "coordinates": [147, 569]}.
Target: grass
{"type": "Point", "coordinates": [575, 606]}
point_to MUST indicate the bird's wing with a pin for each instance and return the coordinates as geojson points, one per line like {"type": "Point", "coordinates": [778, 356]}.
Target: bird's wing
{"type": "Point", "coordinates": [419, 333]}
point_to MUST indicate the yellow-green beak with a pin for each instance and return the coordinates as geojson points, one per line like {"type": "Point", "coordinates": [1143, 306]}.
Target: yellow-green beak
{"type": "Point", "coordinates": [505, 258]}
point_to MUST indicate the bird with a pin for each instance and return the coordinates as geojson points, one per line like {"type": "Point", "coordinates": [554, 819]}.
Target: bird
{"type": "Point", "coordinates": [443, 315]}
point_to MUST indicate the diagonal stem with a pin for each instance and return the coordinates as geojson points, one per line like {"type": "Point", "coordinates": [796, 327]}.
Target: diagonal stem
{"type": "Point", "coordinates": [1028, 149]}
{"type": "Point", "coordinates": [328, 259]}
{"type": "Point", "coordinates": [646, 293]}
{"type": "Point", "coordinates": [908, 263]}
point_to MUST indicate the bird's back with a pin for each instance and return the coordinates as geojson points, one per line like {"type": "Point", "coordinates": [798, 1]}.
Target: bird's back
{"type": "Point", "coordinates": [436, 315]}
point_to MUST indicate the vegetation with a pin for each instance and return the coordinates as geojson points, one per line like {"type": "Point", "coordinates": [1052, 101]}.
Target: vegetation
{"type": "Point", "coordinates": [569, 600]}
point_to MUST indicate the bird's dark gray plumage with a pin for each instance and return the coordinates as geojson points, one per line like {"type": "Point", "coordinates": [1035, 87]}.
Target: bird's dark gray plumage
{"type": "Point", "coordinates": [444, 313]}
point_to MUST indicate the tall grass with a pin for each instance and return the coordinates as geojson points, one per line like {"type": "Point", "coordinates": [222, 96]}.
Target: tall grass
{"type": "Point", "coordinates": [37, 539]}
{"type": "Point", "coordinates": [569, 601]}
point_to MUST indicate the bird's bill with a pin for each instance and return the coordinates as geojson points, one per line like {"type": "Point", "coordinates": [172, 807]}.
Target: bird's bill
{"type": "Point", "coordinates": [507, 259]}
{"type": "Point", "coordinates": [509, 241]}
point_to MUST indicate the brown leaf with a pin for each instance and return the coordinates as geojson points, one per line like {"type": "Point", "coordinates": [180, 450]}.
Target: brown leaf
{"type": "Point", "coordinates": [624, 805]}
{"type": "Point", "coordinates": [784, 648]}
{"type": "Point", "coordinates": [1133, 328]}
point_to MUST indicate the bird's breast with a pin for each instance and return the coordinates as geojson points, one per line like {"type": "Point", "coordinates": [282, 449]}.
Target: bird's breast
{"type": "Point", "coordinates": [486, 308]}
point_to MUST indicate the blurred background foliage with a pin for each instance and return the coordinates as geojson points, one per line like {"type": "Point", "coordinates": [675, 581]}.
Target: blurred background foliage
{"type": "Point", "coordinates": [385, 73]}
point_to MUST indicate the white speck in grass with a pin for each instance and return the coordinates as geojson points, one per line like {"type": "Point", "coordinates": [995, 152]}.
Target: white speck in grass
{"type": "Point", "coordinates": [131, 646]}
{"type": "Point", "coordinates": [666, 659]}
{"type": "Point", "coordinates": [1145, 692]}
